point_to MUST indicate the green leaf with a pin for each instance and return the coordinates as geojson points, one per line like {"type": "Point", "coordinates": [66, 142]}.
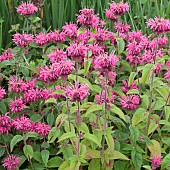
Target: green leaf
{"type": "Point", "coordinates": [96, 88]}
{"type": "Point", "coordinates": [45, 156]}
{"type": "Point", "coordinates": [94, 164]}
{"type": "Point", "coordinates": [36, 117]}
{"type": "Point", "coordinates": [133, 91]}
{"type": "Point", "coordinates": [92, 138]}
{"type": "Point", "coordinates": [145, 101]}
{"type": "Point", "coordinates": [131, 78]}
{"type": "Point", "coordinates": [32, 135]}
{"type": "Point", "coordinates": [139, 116]}
{"type": "Point", "coordinates": [37, 156]}
{"type": "Point", "coordinates": [14, 141]}
{"type": "Point", "coordinates": [3, 107]}
{"type": "Point", "coordinates": [134, 133]}
{"type": "Point", "coordinates": [83, 128]}
{"type": "Point", "coordinates": [146, 72]}
{"type": "Point", "coordinates": [137, 159]}
{"type": "Point", "coordinates": [2, 151]}
{"type": "Point", "coordinates": [146, 167]}
{"type": "Point", "coordinates": [120, 45]}
{"type": "Point", "coordinates": [53, 134]}
{"type": "Point", "coordinates": [162, 91]}
{"type": "Point", "coordinates": [117, 111]}
{"type": "Point", "coordinates": [87, 64]}
{"type": "Point", "coordinates": [82, 149]}
{"type": "Point", "coordinates": [22, 160]}
{"type": "Point", "coordinates": [167, 112]}
{"type": "Point", "coordinates": [110, 141]}
{"type": "Point", "coordinates": [50, 119]}
{"type": "Point", "coordinates": [165, 162]}
{"type": "Point", "coordinates": [66, 136]}
{"type": "Point", "coordinates": [152, 127]}
{"type": "Point", "coordinates": [118, 155]}
{"type": "Point", "coordinates": [64, 166]}
{"type": "Point", "coordinates": [51, 100]}
{"type": "Point", "coordinates": [154, 147]}
{"type": "Point", "coordinates": [92, 109]}
{"type": "Point", "coordinates": [28, 151]}
{"type": "Point", "coordinates": [92, 154]}
{"type": "Point", "coordinates": [54, 162]}
{"type": "Point", "coordinates": [5, 63]}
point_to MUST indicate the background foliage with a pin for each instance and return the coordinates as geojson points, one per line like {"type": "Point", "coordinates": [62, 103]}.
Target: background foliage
{"type": "Point", "coordinates": [56, 12]}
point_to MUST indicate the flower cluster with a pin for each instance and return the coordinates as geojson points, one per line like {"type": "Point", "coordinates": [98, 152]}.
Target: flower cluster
{"type": "Point", "coordinates": [78, 92]}
{"type": "Point", "coordinates": [16, 105]}
{"type": "Point", "coordinates": [11, 162]}
{"type": "Point", "coordinates": [27, 9]}
{"type": "Point", "coordinates": [2, 93]}
{"type": "Point", "coordinates": [156, 162]}
{"type": "Point", "coordinates": [116, 10]}
{"type": "Point", "coordinates": [5, 124]}
{"type": "Point", "coordinates": [6, 55]}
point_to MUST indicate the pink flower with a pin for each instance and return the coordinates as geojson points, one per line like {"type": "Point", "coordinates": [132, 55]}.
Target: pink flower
{"type": "Point", "coordinates": [88, 18]}
{"type": "Point", "coordinates": [70, 30]}
{"type": "Point", "coordinates": [27, 9]}
{"type": "Point", "coordinates": [22, 40]}
{"type": "Point", "coordinates": [48, 74]}
{"type": "Point", "coordinates": [42, 129]}
{"type": "Point", "coordinates": [159, 25]}
{"type": "Point", "coordinates": [156, 161]}
{"type": "Point", "coordinates": [16, 105]}
{"type": "Point", "coordinates": [46, 94]}
{"type": "Point", "coordinates": [122, 27]}
{"type": "Point", "coordinates": [22, 124]}
{"type": "Point", "coordinates": [111, 15]}
{"type": "Point", "coordinates": [57, 56]}
{"type": "Point", "coordinates": [55, 36]}
{"type": "Point", "coordinates": [167, 75]}
{"type": "Point", "coordinates": [85, 36]}
{"type": "Point", "coordinates": [64, 68]}
{"type": "Point", "coordinates": [77, 51]}
{"type": "Point", "coordinates": [105, 62]}
{"type": "Point", "coordinates": [168, 63]}
{"type": "Point", "coordinates": [2, 93]}
{"type": "Point", "coordinates": [157, 43]}
{"type": "Point", "coordinates": [130, 102]}
{"type": "Point", "coordinates": [41, 39]}
{"type": "Point", "coordinates": [6, 55]}
{"type": "Point", "coordinates": [17, 85]}
{"type": "Point", "coordinates": [127, 87]}
{"type": "Point", "coordinates": [96, 49]}
{"type": "Point", "coordinates": [5, 124]}
{"type": "Point", "coordinates": [78, 92]}
{"type": "Point", "coordinates": [158, 68]}
{"type": "Point", "coordinates": [100, 98]}
{"type": "Point", "coordinates": [11, 162]}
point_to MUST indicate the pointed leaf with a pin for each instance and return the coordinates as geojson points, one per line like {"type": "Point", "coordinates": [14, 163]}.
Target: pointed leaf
{"type": "Point", "coordinates": [92, 138]}
{"type": "Point", "coordinates": [66, 136]}
{"type": "Point", "coordinates": [14, 141]}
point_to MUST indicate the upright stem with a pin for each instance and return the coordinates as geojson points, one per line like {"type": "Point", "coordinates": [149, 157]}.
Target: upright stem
{"type": "Point", "coordinates": [78, 115]}
{"type": "Point", "coordinates": [68, 112]}
{"type": "Point", "coordinates": [77, 68]}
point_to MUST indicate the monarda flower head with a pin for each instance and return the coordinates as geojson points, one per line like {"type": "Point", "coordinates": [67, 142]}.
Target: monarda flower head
{"type": "Point", "coordinates": [167, 75]}
{"type": "Point", "coordinates": [6, 55]}
{"type": "Point", "coordinates": [105, 62]}
{"type": "Point", "coordinates": [116, 10]}
{"type": "Point", "coordinates": [77, 51]}
{"type": "Point", "coordinates": [87, 18]}
{"type": "Point", "coordinates": [27, 9]}
{"type": "Point", "coordinates": [16, 105]}
{"type": "Point", "coordinates": [55, 36]}
{"type": "Point", "coordinates": [156, 161]}
{"type": "Point", "coordinates": [70, 30]}
{"type": "Point", "coordinates": [127, 87]}
{"type": "Point", "coordinates": [5, 124]}
{"type": "Point", "coordinates": [78, 92]}
{"type": "Point", "coordinates": [57, 56]}
{"type": "Point", "coordinates": [11, 162]}
{"type": "Point", "coordinates": [130, 102]}
{"type": "Point", "coordinates": [22, 124]}
{"type": "Point", "coordinates": [2, 93]}
{"type": "Point", "coordinates": [42, 129]}
{"type": "Point", "coordinates": [42, 39]}
{"type": "Point", "coordinates": [159, 25]}
{"type": "Point", "coordinates": [22, 40]}
{"type": "Point", "coordinates": [96, 49]}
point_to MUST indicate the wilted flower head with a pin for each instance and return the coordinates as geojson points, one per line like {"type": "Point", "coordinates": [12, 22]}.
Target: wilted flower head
{"type": "Point", "coordinates": [57, 56]}
{"type": "Point", "coordinates": [77, 51]}
{"type": "Point", "coordinates": [11, 162]}
{"type": "Point", "coordinates": [5, 124]}
{"type": "Point", "coordinates": [130, 102]}
{"type": "Point", "coordinates": [6, 55]}
{"type": "Point", "coordinates": [105, 62]}
{"type": "Point", "coordinates": [156, 162]}
{"type": "Point", "coordinates": [27, 9]}
{"type": "Point", "coordinates": [88, 18]}
{"type": "Point", "coordinates": [78, 92]}
{"type": "Point", "coordinates": [16, 105]}
{"type": "Point", "coordinates": [159, 25]}
{"type": "Point", "coordinates": [2, 93]}
{"type": "Point", "coordinates": [70, 30]}
{"type": "Point", "coordinates": [22, 40]}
